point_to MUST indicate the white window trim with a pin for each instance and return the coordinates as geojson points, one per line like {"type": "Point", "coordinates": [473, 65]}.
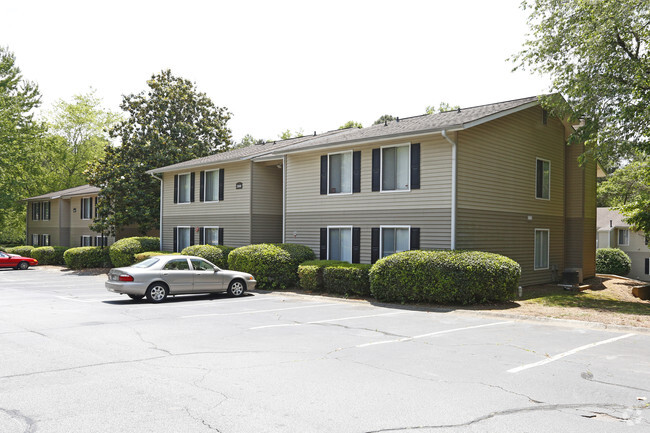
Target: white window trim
{"type": "Point", "coordinates": [328, 239]}
{"type": "Point", "coordinates": [619, 238]}
{"type": "Point", "coordinates": [211, 227]}
{"type": "Point", "coordinates": [549, 179]}
{"type": "Point", "coordinates": [351, 152]}
{"type": "Point", "coordinates": [381, 168]}
{"type": "Point", "coordinates": [82, 208]}
{"type": "Point", "coordinates": [381, 237]}
{"type": "Point", "coordinates": [205, 176]}
{"type": "Point", "coordinates": [83, 237]}
{"type": "Point", "coordinates": [177, 236]}
{"type": "Point", "coordinates": [178, 192]}
{"type": "Point", "coordinates": [548, 252]}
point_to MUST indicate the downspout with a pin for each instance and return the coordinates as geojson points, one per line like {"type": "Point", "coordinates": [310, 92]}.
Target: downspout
{"type": "Point", "coordinates": [454, 163]}
{"type": "Point", "coordinates": [284, 198]}
{"type": "Point", "coordinates": [161, 212]}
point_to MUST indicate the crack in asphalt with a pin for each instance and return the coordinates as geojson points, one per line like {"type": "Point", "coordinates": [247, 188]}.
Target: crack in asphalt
{"type": "Point", "coordinates": [507, 412]}
{"type": "Point", "coordinates": [532, 400]}
{"type": "Point", "coordinates": [355, 328]}
{"type": "Point", "coordinates": [30, 424]}
{"type": "Point", "coordinates": [153, 345]}
{"type": "Point", "coordinates": [201, 420]}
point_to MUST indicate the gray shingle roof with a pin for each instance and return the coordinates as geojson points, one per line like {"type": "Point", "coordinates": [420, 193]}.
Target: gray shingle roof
{"type": "Point", "coordinates": [604, 215]}
{"type": "Point", "coordinates": [66, 193]}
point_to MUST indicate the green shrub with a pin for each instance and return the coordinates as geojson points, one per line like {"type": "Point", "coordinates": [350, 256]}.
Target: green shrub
{"type": "Point", "coordinates": [460, 277]}
{"type": "Point", "coordinates": [612, 261]}
{"type": "Point", "coordinates": [87, 257]}
{"type": "Point", "coordinates": [217, 254]}
{"type": "Point", "coordinates": [310, 273]}
{"type": "Point", "coordinates": [49, 255]}
{"type": "Point", "coordinates": [22, 250]}
{"type": "Point", "coordinates": [347, 279]}
{"type": "Point", "coordinates": [271, 265]}
{"type": "Point", "coordinates": [123, 251]}
{"type": "Point", "coordinates": [147, 254]}
{"type": "Point", "coordinates": [299, 253]}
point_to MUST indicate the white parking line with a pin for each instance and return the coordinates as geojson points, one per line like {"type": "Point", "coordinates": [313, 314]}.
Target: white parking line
{"type": "Point", "coordinates": [567, 353]}
{"type": "Point", "coordinates": [329, 320]}
{"type": "Point", "coordinates": [198, 304]}
{"type": "Point", "coordinates": [257, 311]}
{"type": "Point", "coordinates": [447, 331]}
{"type": "Point", "coordinates": [81, 300]}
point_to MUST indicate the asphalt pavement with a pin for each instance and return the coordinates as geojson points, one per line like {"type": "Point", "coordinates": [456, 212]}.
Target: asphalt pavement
{"type": "Point", "coordinates": [76, 358]}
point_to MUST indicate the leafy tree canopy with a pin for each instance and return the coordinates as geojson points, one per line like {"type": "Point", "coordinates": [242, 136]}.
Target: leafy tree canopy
{"type": "Point", "coordinates": [383, 119]}
{"type": "Point", "coordinates": [168, 123]}
{"type": "Point", "coordinates": [285, 135]}
{"type": "Point", "coordinates": [351, 124]}
{"type": "Point", "coordinates": [442, 107]}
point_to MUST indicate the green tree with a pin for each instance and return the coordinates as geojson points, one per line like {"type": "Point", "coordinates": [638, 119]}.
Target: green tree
{"type": "Point", "coordinates": [169, 123]}
{"type": "Point", "coordinates": [285, 135]}
{"type": "Point", "coordinates": [383, 119]}
{"type": "Point", "coordinates": [442, 107]}
{"type": "Point", "coordinates": [77, 135]}
{"type": "Point", "coordinates": [627, 185]}
{"type": "Point", "coordinates": [597, 55]}
{"type": "Point", "coordinates": [351, 124]}
{"type": "Point", "coordinates": [20, 144]}
{"type": "Point", "coordinates": [248, 140]}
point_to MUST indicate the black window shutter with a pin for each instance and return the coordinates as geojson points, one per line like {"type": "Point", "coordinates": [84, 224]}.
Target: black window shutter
{"type": "Point", "coordinates": [540, 178]}
{"type": "Point", "coordinates": [323, 175]}
{"type": "Point", "coordinates": [202, 234]}
{"type": "Point", "coordinates": [415, 238]}
{"type": "Point", "coordinates": [356, 245]}
{"type": "Point", "coordinates": [376, 168]}
{"type": "Point", "coordinates": [81, 241]}
{"type": "Point", "coordinates": [221, 175]}
{"type": "Point", "coordinates": [221, 236]}
{"type": "Point", "coordinates": [356, 171]}
{"type": "Point", "coordinates": [374, 244]}
{"type": "Point", "coordinates": [647, 266]}
{"type": "Point", "coordinates": [175, 239]}
{"type": "Point", "coordinates": [192, 178]}
{"type": "Point", "coordinates": [191, 236]}
{"type": "Point", "coordinates": [175, 190]}
{"type": "Point", "coordinates": [90, 214]}
{"type": "Point", "coordinates": [415, 166]}
{"type": "Point", "coordinates": [323, 243]}
{"type": "Point", "coordinates": [95, 207]}
{"type": "Point", "coordinates": [202, 187]}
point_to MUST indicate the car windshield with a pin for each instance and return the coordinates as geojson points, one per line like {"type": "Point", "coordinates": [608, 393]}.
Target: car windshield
{"type": "Point", "coordinates": [2, 254]}
{"type": "Point", "coordinates": [146, 263]}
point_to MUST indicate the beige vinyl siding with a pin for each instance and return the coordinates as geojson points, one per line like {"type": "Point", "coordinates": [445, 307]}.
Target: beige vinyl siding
{"type": "Point", "coordinates": [267, 203]}
{"type": "Point", "coordinates": [232, 214]}
{"type": "Point", "coordinates": [40, 227]}
{"type": "Point", "coordinates": [589, 252]}
{"type": "Point", "coordinates": [75, 217]}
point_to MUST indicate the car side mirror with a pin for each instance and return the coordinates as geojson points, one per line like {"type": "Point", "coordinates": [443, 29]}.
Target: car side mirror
{"type": "Point", "coordinates": [216, 269]}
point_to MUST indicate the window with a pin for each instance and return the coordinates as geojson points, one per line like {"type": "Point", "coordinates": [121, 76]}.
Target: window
{"type": "Point", "coordinates": [543, 179]}
{"type": "Point", "coordinates": [201, 265]}
{"type": "Point", "coordinates": [86, 241]}
{"type": "Point", "coordinates": [36, 211]}
{"type": "Point", "coordinates": [212, 185]}
{"type": "Point", "coordinates": [86, 208]}
{"type": "Point", "coordinates": [35, 240]}
{"type": "Point", "coordinates": [340, 173]}
{"type": "Point", "coordinates": [45, 211]}
{"type": "Point", "coordinates": [541, 248]}
{"type": "Point", "coordinates": [177, 265]}
{"type": "Point", "coordinates": [184, 188]}
{"type": "Point", "coordinates": [395, 165]}
{"type": "Point", "coordinates": [211, 235]}
{"type": "Point", "coordinates": [623, 237]}
{"type": "Point", "coordinates": [183, 238]}
{"type": "Point", "coordinates": [394, 240]}
{"type": "Point", "coordinates": [339, 243]}
{"type": "Point", "coordinates": [101, 241]}
{"type": "Point", "coordinates": [45, 240]}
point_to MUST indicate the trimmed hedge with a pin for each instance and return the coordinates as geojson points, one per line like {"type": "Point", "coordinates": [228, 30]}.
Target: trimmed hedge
{"type": "Point", "coordinates": [299, 253]}
{"type": "Point", "coordinates": [459, 277]}
{"type": "Point", "coordinates": [310, 273]}
{"type": "Point", "coordinates": [272, 266]}
{"type": "Point", "coordinates": [217, 254]}
{"type": "Point", "coordinates": [123, 251]}
{"type": "Point", "coordinates": [147, 254]}
{"type": "Point", "coordinates": [612, 261]}
{"type": "Point", "coordinates": [87, 257]}
{"type": "Point", "coordinates": [23, 250]}
{"type": "Point", "coordinates": [350, 279]}
{"type": "Point", "coordinates": [49, 255]}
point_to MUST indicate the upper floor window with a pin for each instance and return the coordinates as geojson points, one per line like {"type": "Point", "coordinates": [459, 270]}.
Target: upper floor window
{"type": "Point", "coordinates": [86, 208]}
{"type": "Point", "coordinates": [623, 237]}
{"type": "Point", "coordinates": [541, 248]}
{"type": "Point", "coordinates": [340, 173]}
{"type": "Point", "coordinates": [543, 179]}
{"type": "Point", "coordinates": [36, 211]}
{"type": "Point", "coordinates": [212, 185]}
{"type": "Point", "coordinates": [394, 240]}
{"type": "Point", "coordinates": [395, 164]}
{"type": "Point", "coordinates": [45, 210]}
{"type": "Point", "coordinates": [184, 187]}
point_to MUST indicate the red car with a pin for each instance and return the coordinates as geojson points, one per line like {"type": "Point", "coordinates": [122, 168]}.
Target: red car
{"type": "Point", "coordinates": [15, 261]}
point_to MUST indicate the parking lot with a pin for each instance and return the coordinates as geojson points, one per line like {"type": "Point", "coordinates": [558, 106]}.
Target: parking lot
{"type": "Point", "coordinates": [76, 358]}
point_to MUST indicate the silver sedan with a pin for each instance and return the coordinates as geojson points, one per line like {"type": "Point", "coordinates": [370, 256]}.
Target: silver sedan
{"type": "Point", "coordinates": [160, 276]}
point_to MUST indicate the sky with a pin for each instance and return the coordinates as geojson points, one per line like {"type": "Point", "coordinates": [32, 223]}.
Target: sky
{"type": "Point", "coordinates": [278, 65]}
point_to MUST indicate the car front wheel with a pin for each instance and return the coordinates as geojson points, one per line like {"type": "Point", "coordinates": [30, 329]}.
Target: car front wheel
{"type": "Point", "coordinates": [157, 292]}
{"type": "Point", "coordinates": [23, 266]}
{"type": "Point", "coordinates": [236, 288]}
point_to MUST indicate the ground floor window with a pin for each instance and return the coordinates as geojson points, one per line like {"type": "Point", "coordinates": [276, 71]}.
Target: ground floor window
{"type": "Point", "coordinates": [101, 241]}
{"type": "Point", "coordinates": [35, 239]}
{"type": "Point", "coordinates": [394, 240]}
{"type": "Point", "coordinates": [339, 243]}
{"type": "Point", "coordinates": [45, 240]}
{"type": "Point", "coordinates": [211, 235]}
{"type": "Point", "coordinates": [541, 248]}
{"type": "Point", "coordinates": [182, 238]}
{"type": "Point", "coordinates": [86, 241]}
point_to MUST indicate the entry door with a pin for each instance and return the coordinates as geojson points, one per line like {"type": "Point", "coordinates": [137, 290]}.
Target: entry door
{"type": "Point", "coordinates": [178, 276]}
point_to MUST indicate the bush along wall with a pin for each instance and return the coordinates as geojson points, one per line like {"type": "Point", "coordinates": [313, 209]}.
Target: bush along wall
{"type": "Point", "coordinates": [148, 254]}
{"type": "Point", "coordinates": [49, 255]}
{"type": "Point", "coordinates": [349, 279]}
{"type": "Point", "coordinates": [612, 261]}
{"type": "Point", "coordinates": [310, 273]}
{"type": "Point", "coordinates": [458, 277]}
{"type": "Point", "coordinates": [22, 250]}
{"type": "Point", "coordinates": [123, 251]}
{"type": "Point", "coordinates": [272, 266]}
{"type": "Point", "coordinates": [87, 257]}
{"type": "Point", "coordinates": [299, 253]}
{"type": "Point", "coordinates": [217, 254]}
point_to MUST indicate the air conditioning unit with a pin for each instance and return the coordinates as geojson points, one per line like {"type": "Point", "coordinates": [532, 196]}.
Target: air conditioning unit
{"type": "Point", "coordinates": [572, 276]}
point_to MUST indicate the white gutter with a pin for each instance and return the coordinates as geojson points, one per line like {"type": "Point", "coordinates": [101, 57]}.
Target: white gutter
{"type": "Point", "coordinates": [454, 163]}
{"type": "Point", "coordinates": [161, 208]}
{"type": "Point", "coordinates": [284, 198]}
